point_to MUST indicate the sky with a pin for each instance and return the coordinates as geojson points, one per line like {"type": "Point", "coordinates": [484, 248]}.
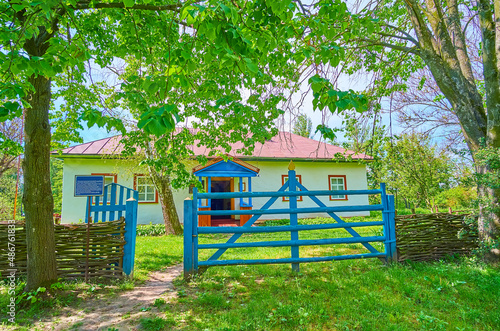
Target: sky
{"type": "Point", "coordinates": [318, 117]}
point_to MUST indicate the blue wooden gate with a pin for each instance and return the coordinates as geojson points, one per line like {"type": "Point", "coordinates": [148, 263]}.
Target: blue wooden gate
{"type": "Point", "coordinates": [291, 189]}
{"type": "Point", "coordinates": [117, 201]}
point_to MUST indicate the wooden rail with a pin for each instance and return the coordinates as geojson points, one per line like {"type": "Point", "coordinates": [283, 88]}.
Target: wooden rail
{"type": "Point", "coordinates": [291, 189]}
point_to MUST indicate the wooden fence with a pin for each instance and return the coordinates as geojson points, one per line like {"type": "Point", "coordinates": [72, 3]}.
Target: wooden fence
{"type": "Point", "coordinates": [81, 250]}
{"type": "Point", "coordinates": [425, 237]}
{"type": "Point", "coordinates": [103, 247]}
{"type": "Point", "coordinates": [292, 189]}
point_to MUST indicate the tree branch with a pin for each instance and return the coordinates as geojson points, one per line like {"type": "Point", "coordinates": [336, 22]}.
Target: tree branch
{"type": "Point", "coordinates": [408, 36]}
{"type": "Point", "coordinates": [490, 61]}
{"type": "Point", "coordinates": [87, 5]}
{"type": "Point", "coordinates": [458, 40]}
{"type": "Point", "coordinates": [370, 42]}
{"type": "Point", "coordinates": [397, 37]}
{"type": "Point", "coordinates": [419, 25]}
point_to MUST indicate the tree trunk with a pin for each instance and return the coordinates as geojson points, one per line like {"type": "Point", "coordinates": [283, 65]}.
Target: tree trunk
{"type": "Point", "coordinates": [170, 216]}
{"type": "Point", "coordinates": [37, 198]}
{"type": "Point", "coordinates": [489, 219]}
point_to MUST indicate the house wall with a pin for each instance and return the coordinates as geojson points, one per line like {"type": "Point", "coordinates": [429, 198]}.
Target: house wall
{"type": "Point", "coordinates": [73, 208]}
{"type": "Point", "coordinates": [314, 177]}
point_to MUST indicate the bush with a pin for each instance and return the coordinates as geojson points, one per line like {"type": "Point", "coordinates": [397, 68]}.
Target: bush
{"type": "Point", "coordinates": [6, 208]}
{"type": "Point", "coordinates": [457, 198]}
{"type": "Point", "coordinates": [151, 229]}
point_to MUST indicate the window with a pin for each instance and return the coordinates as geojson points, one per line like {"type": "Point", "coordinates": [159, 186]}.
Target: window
{"type": "Point", "coordinates": [146, 189]}
{"type": "Point", "coordinates": [284, 179]}
{"type": "Point", "coordinates": [337, 182]}
{"type": "Point", "coordinates": [108, 179]}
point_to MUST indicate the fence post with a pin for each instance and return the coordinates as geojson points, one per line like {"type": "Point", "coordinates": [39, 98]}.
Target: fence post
{"type": "Point", "coordinates": [194, 228]}
{"type": "Point", "coordinates": [385, 219]}
{"type": "Point", "coordinates": [188, 239]}
{"type": "Point", "coordinates": [130, 234]}
{"type": "Point", "coordinates": [392, 228]}
{"type": "Point", "coordinates": [292, 187]}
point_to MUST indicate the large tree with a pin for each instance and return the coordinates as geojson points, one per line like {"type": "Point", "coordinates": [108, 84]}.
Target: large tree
{"type": "Point", "coordinates": [51, 50]}
{"type": "Point", "coordinates": [393, 39]}
{"type": "Point", "coordinates": [302, 126]}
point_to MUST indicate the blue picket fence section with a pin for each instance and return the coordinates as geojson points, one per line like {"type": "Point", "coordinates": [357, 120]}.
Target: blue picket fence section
{"type": "Point", "coordinates": [292, 189]}
{"type": "Point", "coordinates": [117, 201]}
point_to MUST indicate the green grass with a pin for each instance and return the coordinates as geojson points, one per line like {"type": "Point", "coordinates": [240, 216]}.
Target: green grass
{"type": "Point", "coordinates": [346, 295]}
{"type": "Point", "coordinates": [457, 294]}
{"type": "Point", "coordinates": [156, 253]}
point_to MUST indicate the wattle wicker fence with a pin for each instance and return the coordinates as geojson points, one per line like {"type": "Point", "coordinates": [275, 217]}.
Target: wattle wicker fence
{"type": "Point", "coordinates": [82, 251]}
{"type": "Point", "coordinates": [425, 237]}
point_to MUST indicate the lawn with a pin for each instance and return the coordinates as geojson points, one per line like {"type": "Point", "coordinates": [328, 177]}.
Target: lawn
{"type": "Point", "coordinates": [454, 294]}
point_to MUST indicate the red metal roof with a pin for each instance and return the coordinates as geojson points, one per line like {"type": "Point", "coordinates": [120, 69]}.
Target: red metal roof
{"type": "Point", "coordinates": [285, 145]}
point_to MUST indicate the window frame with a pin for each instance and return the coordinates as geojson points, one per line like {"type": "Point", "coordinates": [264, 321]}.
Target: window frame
{"type": "Point", "coordinates": [345, 198]}
{"type": "Point", "coordinates": [115, 180]}
{"type": "Point", "coordinates": [299, 179]}
{"type": "Point", "coordinates": [136, 177]}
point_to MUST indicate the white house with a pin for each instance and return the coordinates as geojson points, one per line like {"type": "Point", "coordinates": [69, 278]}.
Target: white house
{"type": "Point", "coordinates": [265, 170]}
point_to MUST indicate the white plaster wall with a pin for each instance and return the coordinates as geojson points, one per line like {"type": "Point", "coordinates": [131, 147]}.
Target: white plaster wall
{"type": "Point", "coordinates": [73, 208]}
{"type": "Point", "coordinates": [314, 177]}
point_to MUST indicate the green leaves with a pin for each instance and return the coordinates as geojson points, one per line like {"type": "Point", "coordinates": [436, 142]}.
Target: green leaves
{"type": "Point", "coordinates": [336, 101]}
{"type": "Point", "coordinates": [129, 3]}
{"type": "Point", "coordinates": [9, 146]}
{"type": "Point", "coordinates": [159, 121]}
{"type": "Point", "coordinates": [326, 132]}
{"type": "Point", "coordinates": [250, 65]}
{"type": "Point", "coordinates": [10, 110]}
{"type": "Point", "coordinates": [95, 117]}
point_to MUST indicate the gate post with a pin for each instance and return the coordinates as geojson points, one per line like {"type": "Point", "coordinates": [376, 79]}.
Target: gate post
{"type": "Point", "coordinates": [392, 228]}
{"type": "Point", "coordinates": [388, 214]}
{"type": "Point", "coordinates": [292, 187]}
{"type": "Point", "coordinates": [130, 234]}
{"type": "Point", "coordinates": [188, 239]}
{"type": "Point", "coordinates": [194, 228]}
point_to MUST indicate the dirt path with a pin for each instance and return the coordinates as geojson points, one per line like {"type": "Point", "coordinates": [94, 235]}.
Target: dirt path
{"type": "Point", "coordinates": [119, 313]}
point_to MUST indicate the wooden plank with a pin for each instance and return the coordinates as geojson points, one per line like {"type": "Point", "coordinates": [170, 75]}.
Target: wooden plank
{"type": "Point", "coordinates": [265, 211]}
{"type": "Point", "coordinates": [286, 228]}
{"type": "Point", "coordinates": [227, 195]}
{"type": "Point", "coordinates": [130, 237]}
{"type": "Point", "coordinates": [289, 260]}
{"type": "Point", "coordinates": [112, 203]}
{"type": "Point", "coordinates": [294, 234]}
{"type": "Point", "coordinates": [245, 218]}
{"type": "Point", "coordinates": [120, 201]}
{"type": "Point", "coordinates": [294, 243]}
{"type": "Point", "coordinates": [204, 220]}
{"type": "Point", "coordinates": [188, 239]}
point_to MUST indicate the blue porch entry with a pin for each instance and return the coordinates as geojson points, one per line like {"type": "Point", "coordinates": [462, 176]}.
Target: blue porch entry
{"type": "Point", "coordinates": [292, 190]}
{"type": "Point", "coordinates": [225, 176]}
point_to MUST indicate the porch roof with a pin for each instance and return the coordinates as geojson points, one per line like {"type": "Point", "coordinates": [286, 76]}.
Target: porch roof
{"type": "Point", "coordinates": [230, 168]}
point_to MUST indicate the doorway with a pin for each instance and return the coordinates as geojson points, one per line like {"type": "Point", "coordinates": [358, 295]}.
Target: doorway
{"type": "Point", "coordinates": [221, 185]}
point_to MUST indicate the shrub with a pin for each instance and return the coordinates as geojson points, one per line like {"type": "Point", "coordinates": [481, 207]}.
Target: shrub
{"type": "Point", "coordinates": [457, 197]}
{"type": "Point", "coordinates": [150, 229]}
{"type": "Point", "coordinates": [6, 208]}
